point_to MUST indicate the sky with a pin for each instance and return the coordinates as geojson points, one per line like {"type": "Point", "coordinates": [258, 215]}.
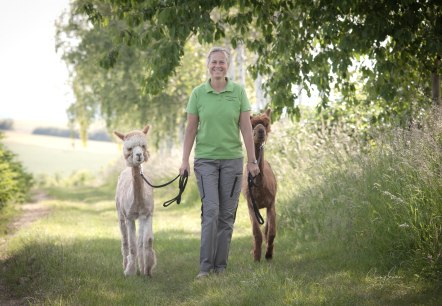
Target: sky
{"type": "Point", "coordinates": [33, 78]}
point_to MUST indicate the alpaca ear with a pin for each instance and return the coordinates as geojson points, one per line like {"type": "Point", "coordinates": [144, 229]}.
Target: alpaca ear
{"type": "Point", "coordinates": [146, 128]}
{"type": "Point", "coordinates": [268, 112]}
{"type": "Point", "coordinates": [121, 136]}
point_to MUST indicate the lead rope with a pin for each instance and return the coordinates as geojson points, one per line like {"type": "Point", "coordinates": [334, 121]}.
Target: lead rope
{"type": "Point", "coordinates": [181, 186]}
{"type": "Point", "coordinates": [250, 182]}
{"type": "Point", "coordinates": [255, 208]}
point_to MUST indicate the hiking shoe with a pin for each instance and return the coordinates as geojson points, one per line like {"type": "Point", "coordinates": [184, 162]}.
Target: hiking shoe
{"type": "Point", "coordinates": [202, 274]}
{"type": "Point", "coordinates": [219, 271]}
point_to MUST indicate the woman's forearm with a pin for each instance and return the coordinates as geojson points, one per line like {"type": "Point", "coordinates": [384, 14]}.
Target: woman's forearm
{"type": "Point", "coordinates": [247, 134]}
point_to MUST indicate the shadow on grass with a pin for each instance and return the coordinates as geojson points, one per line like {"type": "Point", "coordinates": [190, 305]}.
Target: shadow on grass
{"type": "Point", "coordinates": [89, 272]}
{"type": "Point", "coordinates": [92, 195]}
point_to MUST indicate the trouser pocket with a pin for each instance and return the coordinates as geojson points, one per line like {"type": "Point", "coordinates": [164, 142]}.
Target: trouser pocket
{"type": "Point", "coordinates": [236, 185]}
{"type": "Point", "coordinates": [233, 187]}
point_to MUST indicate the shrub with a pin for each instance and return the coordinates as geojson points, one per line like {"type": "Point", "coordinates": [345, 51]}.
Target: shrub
{"type": "Point", "coordinates": [15, 182]}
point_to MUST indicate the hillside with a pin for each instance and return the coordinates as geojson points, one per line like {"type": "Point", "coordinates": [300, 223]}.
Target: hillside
{"type": "Point", "coordinates": [57, 155]}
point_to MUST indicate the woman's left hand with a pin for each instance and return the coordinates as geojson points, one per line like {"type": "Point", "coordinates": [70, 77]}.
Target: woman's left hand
{"type": "Point", "coordinates": [253, 169]}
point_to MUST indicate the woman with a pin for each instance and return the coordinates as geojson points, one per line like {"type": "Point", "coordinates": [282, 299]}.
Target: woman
{"type": "Point", "coordinates": [217, 111]}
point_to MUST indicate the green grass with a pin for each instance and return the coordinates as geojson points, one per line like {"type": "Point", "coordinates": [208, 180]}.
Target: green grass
{"type": "Point", "coordinates": [72, 257]}
{"type": "Point", "coordinates": [354, 228]}
{"type": "Point", "coordinates": [7, 214]}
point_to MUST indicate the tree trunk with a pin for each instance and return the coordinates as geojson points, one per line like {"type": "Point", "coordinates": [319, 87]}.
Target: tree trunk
{"type": "Point", "coordinates": [260, 97]}
{"type": "Point", "coordinates": [240, 58]}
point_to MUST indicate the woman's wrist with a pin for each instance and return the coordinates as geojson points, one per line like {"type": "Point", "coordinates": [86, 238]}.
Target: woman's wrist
{"type": "Point", "coordinates": [252, 162]}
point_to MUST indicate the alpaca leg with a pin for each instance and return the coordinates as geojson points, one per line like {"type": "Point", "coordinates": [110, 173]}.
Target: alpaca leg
{"type": "Point", "coordinates": [146, 254]}
{"type": "Point", "coordinates": [131, 268]}
{"type": "Point", "coordinates": [257, 235]}
{"type": "Point", "coordinates": [124, 242]}
{"type": "Point", "coordinates": [151, 257]}
{"type": "Point", "coordinates": [149, 253]}
{"type": "Point", "coordinates": [140, 244]}
{"type": "Point", "coordinates": [270, 231]}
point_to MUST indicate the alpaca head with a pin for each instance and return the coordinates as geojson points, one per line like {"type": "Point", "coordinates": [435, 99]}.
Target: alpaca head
{"type": "Point", "coordinates": [261, 126]}
{"type": "Point", "coordinates": [134, 146]}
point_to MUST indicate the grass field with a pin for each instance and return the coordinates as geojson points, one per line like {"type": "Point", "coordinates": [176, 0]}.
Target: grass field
{"type": "Point", "coordinates": [344, 236]}
{"type": "Point", "coordinates": [62, 156]}
{"type": "Point", "coordinates": [72, 257]}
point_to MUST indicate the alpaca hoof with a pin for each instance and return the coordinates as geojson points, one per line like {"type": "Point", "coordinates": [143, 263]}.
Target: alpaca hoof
{"type": "Point", "coordinates": [257, 257]}
{"type": "Point", "coordinates": [269, 256]}
{"type": "Point", "coordinates": [130, 270]}
{"type": "Point", "coordinates": [147, 273]}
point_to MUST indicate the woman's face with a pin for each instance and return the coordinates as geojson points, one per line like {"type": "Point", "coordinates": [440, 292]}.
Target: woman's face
{"type": "Point", "coordinates": [218, 65]}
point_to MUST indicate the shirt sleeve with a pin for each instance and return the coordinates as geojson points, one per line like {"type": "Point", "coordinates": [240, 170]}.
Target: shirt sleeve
{"type": "Point", "coordinates": [245, 104]}
{"type": "Point", "coordinates": [192, 107]}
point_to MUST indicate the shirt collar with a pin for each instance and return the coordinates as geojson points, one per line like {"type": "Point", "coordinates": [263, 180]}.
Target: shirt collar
{"type": "Point", "coordinates": [229, 86]}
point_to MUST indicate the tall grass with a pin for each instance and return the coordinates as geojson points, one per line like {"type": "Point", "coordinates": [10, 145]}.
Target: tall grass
{"type": "Point", "coordinates": [381, 208]}
{"type": "Point", "coordinates": [341, 236]}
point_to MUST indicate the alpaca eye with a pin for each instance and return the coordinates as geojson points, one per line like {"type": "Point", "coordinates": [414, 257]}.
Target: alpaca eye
{"type": "Point", "coordinates": [129, 149]}
{"type": "Point", "coordinates": [143, 146]}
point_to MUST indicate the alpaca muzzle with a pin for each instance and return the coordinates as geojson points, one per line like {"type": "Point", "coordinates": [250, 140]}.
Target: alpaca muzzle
{"type": "Point", "coordinates": [259, 133]}
{"type": "Point", "coordinates": [138, 156]}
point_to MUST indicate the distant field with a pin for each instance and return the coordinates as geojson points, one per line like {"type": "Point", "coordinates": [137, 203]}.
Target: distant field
{"type": "Point", "coordinates": [50, 155]}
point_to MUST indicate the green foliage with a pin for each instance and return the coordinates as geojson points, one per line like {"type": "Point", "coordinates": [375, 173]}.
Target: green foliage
{"type": "Point", "coordinates": [15, 182]}
{"type": "Point", "coordinates": [121, 86]}
{"type": "Point", "coordinates": [381, 208]}
{"type": "Point", "coordinates": [79, 178]}
{"type": "Point", "coordinates": [316, 45]}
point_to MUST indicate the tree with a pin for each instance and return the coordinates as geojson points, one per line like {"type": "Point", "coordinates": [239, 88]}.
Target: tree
{"type": "Point", "coordinates": [311, 45]}
{"type": "Point", "coordinates": [113, 89]}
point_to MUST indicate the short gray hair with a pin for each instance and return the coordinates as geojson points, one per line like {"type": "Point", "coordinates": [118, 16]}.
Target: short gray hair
{"type": "Point", "coordinates": [219, 49]}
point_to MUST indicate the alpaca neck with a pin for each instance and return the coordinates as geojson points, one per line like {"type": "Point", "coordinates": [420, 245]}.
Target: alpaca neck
{"type": "Point", "coordinates": [137, 184]}
{"type": "Point", "coordinates": [259, 153]}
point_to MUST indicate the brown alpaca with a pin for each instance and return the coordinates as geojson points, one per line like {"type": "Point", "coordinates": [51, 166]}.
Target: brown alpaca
{"type": "Point", "coordinates": [134, 200]}
{"type": "Point", "coordinates": [264, 189]}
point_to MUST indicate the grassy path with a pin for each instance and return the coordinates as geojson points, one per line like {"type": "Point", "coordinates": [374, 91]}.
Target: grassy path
{"type": "Point", "coordinates": [72, 257]}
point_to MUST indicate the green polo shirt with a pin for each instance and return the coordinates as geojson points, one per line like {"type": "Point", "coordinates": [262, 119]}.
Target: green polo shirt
{"type": "Point", "coordinates": [218, 129]}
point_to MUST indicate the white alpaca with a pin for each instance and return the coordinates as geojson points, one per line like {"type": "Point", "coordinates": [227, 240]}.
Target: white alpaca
{"type": "Point", "coordinates": [134, 200]}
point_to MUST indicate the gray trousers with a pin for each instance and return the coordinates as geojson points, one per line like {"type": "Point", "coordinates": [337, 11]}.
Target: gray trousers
{"type": "Point", "coordinates": [219, 184]}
